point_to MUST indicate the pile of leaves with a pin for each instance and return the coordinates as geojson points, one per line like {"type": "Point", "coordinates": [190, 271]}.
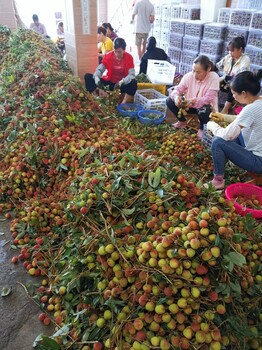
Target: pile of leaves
{"type": "Point", "coordinates": [133, 251]}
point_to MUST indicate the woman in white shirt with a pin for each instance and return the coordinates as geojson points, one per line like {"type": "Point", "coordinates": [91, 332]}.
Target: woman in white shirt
{"type": "Point", "coordinates": [233, 63]}
{"type": "Point", "coordinates": [241, 141]}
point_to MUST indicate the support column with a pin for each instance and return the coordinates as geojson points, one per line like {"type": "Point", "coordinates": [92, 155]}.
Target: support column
{"type": "Point", "coordinates": [81, 36]}
{"type": "Point", "coordinates": [7, 14]}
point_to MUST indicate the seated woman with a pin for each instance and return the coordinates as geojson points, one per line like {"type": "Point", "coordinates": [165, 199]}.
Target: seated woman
{"type": "Point", "coordinates": [241, 141]}
{"type": "Point", "coordinates": [110, 31]}
{"type": "Point", "coordinates": [197, 91]}
{"type": "Point", "coordinates": [120, 68]}
{"type": "Point", "coordinates": [233, 63]}
{"type": "Point", "coordinates": [152, 53]}
{"type": "Point", "coordinates": [105, 44]}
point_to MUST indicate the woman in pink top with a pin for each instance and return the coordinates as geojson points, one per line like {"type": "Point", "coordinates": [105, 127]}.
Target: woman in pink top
{"type": "Point", "coordinates": [198, 90]}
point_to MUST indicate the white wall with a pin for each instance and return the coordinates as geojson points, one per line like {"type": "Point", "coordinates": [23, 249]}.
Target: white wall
{"type": "Point", "coordinates": [44, 9]}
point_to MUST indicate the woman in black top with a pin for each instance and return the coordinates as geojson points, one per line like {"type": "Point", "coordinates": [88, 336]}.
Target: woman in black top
{"type": "Point", "coordinates": [152, 53]}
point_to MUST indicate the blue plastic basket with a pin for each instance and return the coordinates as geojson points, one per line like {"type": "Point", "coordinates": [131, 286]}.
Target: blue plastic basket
{"type": "Point", "coordinates": [129, 110]}
{"type": "Point", "coordinates": [146, 117]}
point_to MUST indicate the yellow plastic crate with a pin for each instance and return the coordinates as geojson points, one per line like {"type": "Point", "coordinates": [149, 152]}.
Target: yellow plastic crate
{"type": "Point", "coordinates": [158, 87]}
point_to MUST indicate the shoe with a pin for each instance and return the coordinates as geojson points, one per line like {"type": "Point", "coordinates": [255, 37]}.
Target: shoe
{"type": "Point", "coordinates": [200, 134]}
{"type": "Point", "coordinates": [218, 185]}
{"type": "Point", "coordinates": [180, 125]}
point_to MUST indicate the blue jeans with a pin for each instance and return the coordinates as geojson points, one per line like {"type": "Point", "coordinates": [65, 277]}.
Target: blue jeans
{"type": "Point", "coordinates": [235, 151]}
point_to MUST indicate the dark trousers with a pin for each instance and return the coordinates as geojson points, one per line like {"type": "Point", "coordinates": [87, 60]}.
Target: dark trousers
{"type": "Point", "coordinates": [90, 84]}
{"type": "Point", "coordinates": [202, 113]}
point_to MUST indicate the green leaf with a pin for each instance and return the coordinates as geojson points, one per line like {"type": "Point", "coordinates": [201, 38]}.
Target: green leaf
{"type": "Point", "coordinates": [237, 258]}
{"type": "Point", "coordinates": [235, 287]}
{"type": "Point", "coordinates": [157, 177]}
{"type": "Point", "coordinates": [129, 211]}
{"type": "Point", "coordinates": [51, 343]}
{"type": "Point", "coordinates": [6, 291]}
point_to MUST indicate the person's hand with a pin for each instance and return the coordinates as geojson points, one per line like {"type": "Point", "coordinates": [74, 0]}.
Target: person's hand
{"type": "Point", "coordinates": [216, 117]}
{"type": "Point", "coordinates": [118, 85]}
{"type": "Point", "coordinates": [191, 102]}
{"type": "Point", "coordinates": [177, 100]}
{"type": "Point", "coordinates": [97, 81]}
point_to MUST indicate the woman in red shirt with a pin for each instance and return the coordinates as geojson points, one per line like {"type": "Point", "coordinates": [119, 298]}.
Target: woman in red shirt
{"type": "Point", "coordinates": [116, 70]}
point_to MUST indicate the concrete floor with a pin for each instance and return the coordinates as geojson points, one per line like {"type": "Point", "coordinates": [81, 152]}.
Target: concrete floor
{"type": "Point", "coordinates": [19, 324]}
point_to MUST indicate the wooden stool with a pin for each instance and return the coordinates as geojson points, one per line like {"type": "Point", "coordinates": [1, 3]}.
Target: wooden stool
{"type": "Point", "coordinates": [192, 121]}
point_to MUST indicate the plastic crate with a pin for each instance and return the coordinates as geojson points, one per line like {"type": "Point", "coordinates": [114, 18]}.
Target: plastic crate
{"type": "Point", "coordinates": [188, 57]}
{"type": "Point", "coordinates": [194, 28]}
{"type": "Point", "coordinates": [176, 64]}
{"type": "Point", "coordinates": [190, 12]}
{"type": "Point", "coordinates": [247, 4]}
{"type": "Point", "coordinates": [215, 30]}
{"type": "Point", "coordinates": [157, 34]}
{"type": "Point", "coordinates": [191, 43]}
{"type": "Point", "coordinates": [175, 12]}
{"type": "Point", "coordinates": [176, 40]}
{"type": "Point", "coordinates": [157, 23]}
{"type": "Point", "coordinates": [241, 17]}
{"type": "Point", "coordinates": [164, 36]}
{"type": "Point", "coordinates": [255, 55]}
{"type": "Point", "coordinates": [158, 87]}
{"type": "Point", "coordinates": [224, 15]}
{"type": "Point", "coordinates": [233, 31]}
{"type": "Point", "coordinates": [145, 117]}
{"type": "Point", "coordinates": [185, 68]}
{"type": "Point", "coordinates": [254, 68]}
{"type": "Point", "coordinates": [256, 22]}
{"type": "Point", "coordinates": [255, 38]}
{"type": "Point", "coordinates": [150, 99]}
{"type": "Point", "coordinates": [213, 58]}
{"type": "Point", "coordinates": [177, 26]}
{"type": "Point", "coordinates": [165, 24]}
{"type": "Point", "coordinates": [164, 45]}
{"type": "Point", "coordinates": [158, 9]}
{"type": "Point", "coordinates": [211, 47]}
{"type": "Point", "coordinates": [160, 72]}
{"type": "Point", "coordinates": [174, 53]}
{"type": "Point", "coordinates": [166, 12]}
{"type": "Point", "coordinates": [207, 137]}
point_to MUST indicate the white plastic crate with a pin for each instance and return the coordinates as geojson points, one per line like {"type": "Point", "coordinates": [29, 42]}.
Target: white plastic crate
{"type": "Point", "coordinates": [157, 34]}
{"type": "Point", "coordinates": [254, 68]}
{"type": "Point", "coordinates": [256, 22]}
{"type": "Point", "coordinates": [150, 99]}
{"type": "Point", "coordinates": [194, 28]}
{"type": "Point", "coordinates": [215, 30]}
{"type": "Point", "coordinates": [240, 17]}
{"type": "Point", "coordinates": [177, 26]}
{"type": "Point", "coordinates": [247, 4]}
{"type": "Point", "coordinates": [188, 57]}
{"type": "Point", "coordinates": [191, 43]}
{"type": "Point", "coordinates": [164, 36]}
{"type": "Point", "coordinates": [160, 72]}
{"type": "Point", "coordinates": [173, 53]}
{"type": "Point", "coordinates": [165, 12]}
{"type": "Point", "coordinates": [175, 12]}
{"type": "Point", "coordinates": [234, 31]}
{"type": "Point", "coordinates": [157, 23]}
{"type": "Point", "coordinates": [190, 12]}
{"type": "Point", "coordinates": [176, 40]}
{"type": "Point", "coordinates": [255, 38]}
{"type": "Point", "coordinates": [185, 68]}
{"type": "Point", "coordinates": [176, 64]}
{"type": "Point", "coordinates": [158, 9]}
{"type": "Point", "coordinates": [165, 24]}
{"type": "Point", "coordinates": [224, 15]}
{"type": "Point", "coordinates": [255, 55]}
{"type": "Point", "coordinates": [214, 58]}
{"type": "Point", "coordinates": [211, 47]}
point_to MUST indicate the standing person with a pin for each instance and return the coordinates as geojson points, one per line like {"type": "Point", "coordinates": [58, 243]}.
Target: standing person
{"type": "Point", "coordinates": [233, 63]}
{"type": "Point", "coordinates": [38, 27]}
{"type": "Point", "coordinates": [120, 68]}
{"type": "Point", "coordinates": [145, 12]}
{"type": "Point", "coordinates": [197, 90]}
{"type": "Point", "coordinates": [241, 141]}
{"type": "Point", "coordinates": [105, 44]}
{"type": "Point", "coordinates": [110, 31]}
{"type": "Point", "coordinates": [152, 53]}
